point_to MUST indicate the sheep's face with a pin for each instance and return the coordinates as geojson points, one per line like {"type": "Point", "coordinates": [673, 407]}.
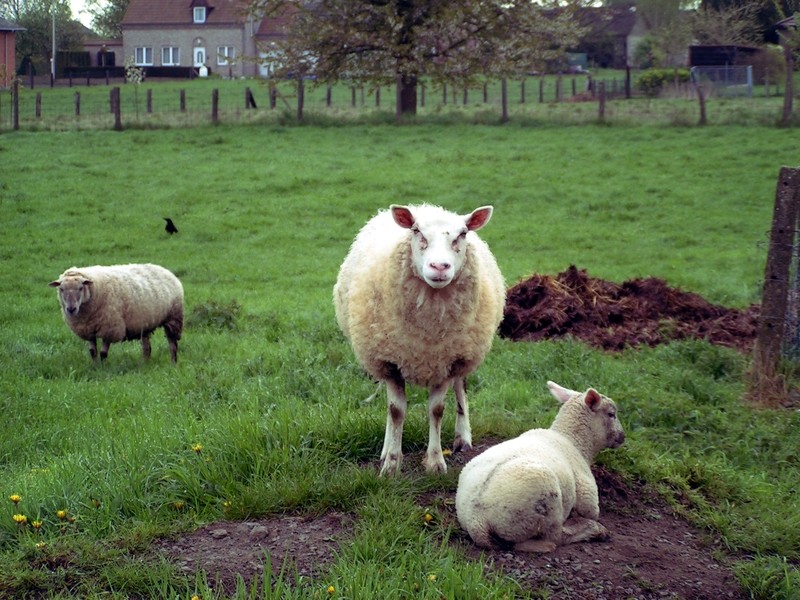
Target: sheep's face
{"type": "Point", "coordinates": [439, 240]}
{"type": "Point", "coordinates": [73, 290]}
{"type": "Point", "coordinates": [598, 415]}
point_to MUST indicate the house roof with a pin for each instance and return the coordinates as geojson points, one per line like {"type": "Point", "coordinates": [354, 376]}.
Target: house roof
{"type": "Point", "coordinates": [278, 24]}
{"type": "Point", "coordinates": [616, 20]}
{"type": "Point", "coordinates": [179, 12]}
{"type": "Point", "coordinates": [9, 26]}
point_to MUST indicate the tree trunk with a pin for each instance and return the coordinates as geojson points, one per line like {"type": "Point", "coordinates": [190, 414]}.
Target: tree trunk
{"type": "Point", "coordinates": [786, 118]}
{"type": "Point", "coordinates": [406, 95]}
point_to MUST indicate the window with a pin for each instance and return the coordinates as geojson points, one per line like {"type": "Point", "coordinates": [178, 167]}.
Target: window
{"type": "Point", "coordinates": [199, 14]}
{"type": "Point", "coordinates": [226, 55]}
{"type": "Point", "coordinates": [143, 56]}
{"type": "Point", "coordinates": [170, 56]}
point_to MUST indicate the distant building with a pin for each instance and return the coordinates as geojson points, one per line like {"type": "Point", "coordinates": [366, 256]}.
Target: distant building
{"type": "Point", "coordinates": [8, 54]}
{"type": "Point", "coordinates": [211, 36]}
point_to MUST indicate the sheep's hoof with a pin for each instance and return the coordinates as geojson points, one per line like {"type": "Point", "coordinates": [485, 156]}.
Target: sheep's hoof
{"type": "Point", "coordinates": [391, 465]}
{"type": "Point", "coordinates": [461, 445]}
{"type": "Point", "coordinates": [434, 465]}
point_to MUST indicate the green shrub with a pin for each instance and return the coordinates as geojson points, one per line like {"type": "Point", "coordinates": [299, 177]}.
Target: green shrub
{"type": "Point", "coordinates": [652, 81]}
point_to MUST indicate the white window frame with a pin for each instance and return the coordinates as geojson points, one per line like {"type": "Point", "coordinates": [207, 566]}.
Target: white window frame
{"type": "Point", "coordinates": [170, 56]}
{"type": "Point", "coordinates": [143, 56]}
{"type": "Point", "coordinates": [226, 55]}
{"type": "Point", "coordinates": [199, 14]}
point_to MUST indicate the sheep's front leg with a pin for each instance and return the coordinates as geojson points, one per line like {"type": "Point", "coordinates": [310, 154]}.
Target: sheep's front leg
{"type": "Point", "coordinates": [392, 453]}
{"type": "Point", "coordinates": [463, 437]}
{"type": "Point", "coordinates": [434, 459]}
{"type": "Point", "coordinates": [104, 349]}
{"type": "Point", "coordinates": [146, 346]}
{"type": "Point", "coordinates": [93, 348]}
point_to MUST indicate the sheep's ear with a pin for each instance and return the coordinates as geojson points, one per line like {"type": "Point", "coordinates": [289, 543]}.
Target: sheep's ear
{"type": "Point", "coordinates": [85, 281]}
{"type": "Point", "coordinates": [561, 394]}
{"type": "Point", "coordinates": [593, 399]}
{"type": "Point", "coordinates": [479, 217]}
{"type": "Point", "coordinates": [55, 283]}
{"type": "Point", "coordinates": [402, 216]}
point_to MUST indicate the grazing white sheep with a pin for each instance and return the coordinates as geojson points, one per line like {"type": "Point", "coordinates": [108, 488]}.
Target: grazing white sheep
{"type": "Point", "coordinates": [420, 297]}
{"type": "Point", "coordinates": [536, 491]}
{"type": "Point", "coordinates": [121, 302]}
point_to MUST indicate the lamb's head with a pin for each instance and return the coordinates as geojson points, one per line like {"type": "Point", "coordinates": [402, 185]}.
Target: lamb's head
{"type": "Point", "coordinates": [73, 290]}
{"type": "Point", "coordinates": [588, 416]}
{"type": "Point", "coordinates": [438, 239]}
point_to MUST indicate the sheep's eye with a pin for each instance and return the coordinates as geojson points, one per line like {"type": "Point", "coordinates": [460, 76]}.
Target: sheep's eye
{"type": "Point", "coordinates": [612, 415]}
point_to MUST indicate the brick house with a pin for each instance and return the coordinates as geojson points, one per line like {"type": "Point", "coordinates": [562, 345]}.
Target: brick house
{"type": "Point", "coordinates": [8, 53]}
{"type": "Point", "coordinates": [215, 34]}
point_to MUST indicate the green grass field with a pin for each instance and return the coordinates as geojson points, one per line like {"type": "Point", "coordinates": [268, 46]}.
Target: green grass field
{"type": "Point", "coordinates": [268, 386]}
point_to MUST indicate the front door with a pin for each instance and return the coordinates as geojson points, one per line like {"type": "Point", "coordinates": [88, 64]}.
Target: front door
{"type": "Point", "coordinates": [199, 57]}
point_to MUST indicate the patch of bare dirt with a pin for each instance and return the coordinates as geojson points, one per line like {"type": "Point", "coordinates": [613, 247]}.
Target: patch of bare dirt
{"type": "Point", "coordinates": [616, 316]}
{"type": "Point", "coordinates": [652, 554]}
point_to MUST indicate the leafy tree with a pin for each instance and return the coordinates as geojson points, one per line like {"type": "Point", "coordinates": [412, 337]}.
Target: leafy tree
{"type": "Point", "coordinates": [37, 16]}
{"type": "Point", "coordinates": [107, 16]}
{"type": "Point", "coordinates": [401, 41]}
{"type": "Point", "coordinates": [735, 25]}
{"type": "Point", "coordinates": [766, 13]}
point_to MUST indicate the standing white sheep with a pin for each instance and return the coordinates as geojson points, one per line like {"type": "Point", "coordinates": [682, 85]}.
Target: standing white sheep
{"type": "Point", "coordinates": [121, 302]}
{"type": "Point", "coordinates": [420, 297]}
{"type": "Point", "coordinates": [536, 491]}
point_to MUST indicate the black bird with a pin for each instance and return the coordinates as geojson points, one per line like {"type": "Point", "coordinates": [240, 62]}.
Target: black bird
{"type": "Point", "coordinates": [170, 228]}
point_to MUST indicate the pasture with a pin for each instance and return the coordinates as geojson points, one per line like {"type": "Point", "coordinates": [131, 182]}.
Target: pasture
{"type": "Point", "coordinates": [267, 412]}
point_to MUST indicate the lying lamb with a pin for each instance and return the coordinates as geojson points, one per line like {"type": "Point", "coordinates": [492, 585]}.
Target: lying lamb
{"type": "Point", "coordinates": [420, 298]}
{"type": "Point", "coordinates": [536, 492]}
{"type": "Point", "coordinates": [121, 302]}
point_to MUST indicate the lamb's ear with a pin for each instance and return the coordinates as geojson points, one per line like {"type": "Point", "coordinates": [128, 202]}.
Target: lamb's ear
{"type": "Point", "coordinates": [479, 217]}
{"type": "Point", "coordinates": [593, 399]}
{"type": "Point", "coordinates": [402, 216]}
{"type": "Point", "coordinates": [85, 281]}
{"type": "Point", "coordinates": [561, 394]}
{"type": "Point", "coordinates": [55, 283]}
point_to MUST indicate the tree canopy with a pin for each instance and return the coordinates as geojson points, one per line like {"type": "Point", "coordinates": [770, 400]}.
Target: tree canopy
{"type": "Point", "coordinates": [387, 41]}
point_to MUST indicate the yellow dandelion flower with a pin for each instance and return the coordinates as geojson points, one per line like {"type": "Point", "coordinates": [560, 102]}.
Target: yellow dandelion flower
{"type": "Point", "coordinates": [40, 545]}
{"type": "Point", "coordinates": [447, 452]}
{"type": "Point", "coordinates": [331, 590]}
{"type": "Point", "coordinates": [20, 519]}
{"type": "Point", "coordinates": [37, 525]}
{"type": "Point", "coordinates": [62, 514]}
{"type": "Point", "coordinates": [179, 504]}
{"type": "Point", "coordinates": [195, 597]}
{"type": "Point", "coordinates": [431, 577]}
{"type": "Point", "coordinates": [15, 498]}
{"type": "Point", "coordinates": [428, 518]}
{"type": "Point", "coordinates": [197, 448]}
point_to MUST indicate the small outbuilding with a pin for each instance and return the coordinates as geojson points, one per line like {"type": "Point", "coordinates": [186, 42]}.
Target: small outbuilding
{"type": "Point", "coordinates": [8, 54]}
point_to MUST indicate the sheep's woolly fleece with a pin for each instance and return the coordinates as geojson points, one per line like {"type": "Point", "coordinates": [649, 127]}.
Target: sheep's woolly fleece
{"type": "Point", "coordinates": [379, 300]}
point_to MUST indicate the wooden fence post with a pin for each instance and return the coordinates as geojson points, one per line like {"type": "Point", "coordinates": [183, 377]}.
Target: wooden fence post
{"type": "Point", "coordinates": [215, 106]}
{"type": "Point", "coordinates": [249, 99]}
{"type": "Point", "coordinates": [116, 108]}
{"type": "Point", "coordinates": [601, 110]}
{"type": "Point", "coordinates": [541, 89]}
{"type": "Point", "coordinates": [273, 95]}
{"type": "Point", "coordinates": [183, 100]}
{"type": "Point", "coordinates": [77, 104]}
{"type": "Point", "coordinates": [485, 93]}
{"type": "Point", "coordinates": [38, 105]}
{"type": "Point", "coordinates": [444, 94]}
{"type": "Point", "coordinates": [774, 302]}
{"type": "Point", "coordinates": [149, 100]}
{"type": "Point", "coordinates": [329, 96]}
{"type": "Point", "coordinates": [301, 98]}
{"type": "Point", "coordinates": [422, 95]}
{"type": "Point", "coordinates": [504, 99]}
{"type": "Point", "coordinates": [522, 91]}
{"type": "Point", "coordinates": [378, 97]}
{"type": "Point", "coordinates": [15, 104]}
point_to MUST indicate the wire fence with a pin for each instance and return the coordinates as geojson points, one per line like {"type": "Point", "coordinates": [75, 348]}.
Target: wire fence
{"type": "Point", "coordinates": [40, 104]}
